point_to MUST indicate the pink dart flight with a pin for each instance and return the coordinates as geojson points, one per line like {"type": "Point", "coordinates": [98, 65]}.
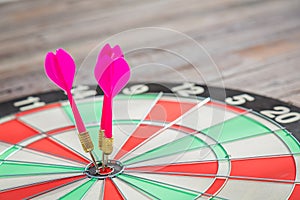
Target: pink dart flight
{"type": "Point", "coordinates": [112, 73]}
{"type": "Point", "coordinates": [60, 69]}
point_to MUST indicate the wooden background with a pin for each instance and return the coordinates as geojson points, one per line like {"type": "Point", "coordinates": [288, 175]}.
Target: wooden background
{"type": "Point", "coordinates": [255, 44]}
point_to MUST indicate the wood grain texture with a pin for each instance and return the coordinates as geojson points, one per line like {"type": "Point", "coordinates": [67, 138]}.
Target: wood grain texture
{"type": "Point", "coordinates": [255, 44]}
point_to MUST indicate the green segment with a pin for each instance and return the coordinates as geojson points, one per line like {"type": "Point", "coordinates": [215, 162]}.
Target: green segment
{"type": "Point", "coordinates": [184, 144]}
{"type": "Point", "coordinates": [133, 121]}
{"type": "Point", "coordinates": [9, 151]}
{"type": "Point", "coordinates": [94, 133]}
{"type": "Point", "coordinates": [219, 151]}
{"type": "Point", "coordinates": [237, 128]}
{"type": "Point", "coordinates": [12, 168]}
{"type": "Point", "coordinates": [158, 190]}
{"type": "Point", "coordinates": [289, 140]}
{"type": "Point", "coordinates": [80, 191]}
{"type": "Point", "coordinates": [91, 111]}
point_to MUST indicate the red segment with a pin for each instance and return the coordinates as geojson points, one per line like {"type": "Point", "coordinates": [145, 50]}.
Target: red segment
{"type": "Point", "coordinates": [168, 111]}
{"type": "Point", "coordinates": [38, 109]}
{"type": "Point", "coordinates": [296, 193]}
{"type": "Point", "coordinates": [279, 168]}
{"type": "Point", "coordinates": [37, 188]}
{"type": "Point", "coordinates": [215, 187]}
{"type": "Point", "coordinates": [111, 191]}
{"type": "Point", "coordinates": [59, 130]}
{"type": "Point", "coordinates": [15, 131]}
{"type": "Point", "coordinates": [183, 129]}
{"type": "Point", "coordinates": [228, 107]}
{"type": "Point", "coordinates": [49, 146]}
{"type": "Point", "coordinates": [139, 135]}
{"type": "Point", "coordinates": [106, 170]}
{"type": "Point", "coordinates": [190, 168]}
{"type": "Point", "coordinates": [163, 111]}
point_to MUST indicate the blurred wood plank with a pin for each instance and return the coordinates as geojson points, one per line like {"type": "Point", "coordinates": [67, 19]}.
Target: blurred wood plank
{"type": "Point", "coordinates": [255, 44]}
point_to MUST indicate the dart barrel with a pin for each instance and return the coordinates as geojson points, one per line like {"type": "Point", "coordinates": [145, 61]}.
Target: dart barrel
{"type": "Point", "coordinates": [107, 145]}
{"type": "Point", "coordinates": [100, 139]}
{"type": "Point", "coordinates": [86, 141]}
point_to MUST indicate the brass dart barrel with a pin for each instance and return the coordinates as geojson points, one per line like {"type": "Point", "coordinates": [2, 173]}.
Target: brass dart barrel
{"type": "Point", "coordinates": [100, 140]}
{"type": "Point", "coordinates": [86, 141]}
{"type": "Point", "coordinates": [107, 145]}
{"type": "Point", "coordinates": [88, 146]}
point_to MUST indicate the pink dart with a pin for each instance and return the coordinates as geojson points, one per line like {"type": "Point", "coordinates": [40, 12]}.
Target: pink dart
{"type": "Point", "coordinates": [112, 73]}
{"type": "Point", "coordinates": [60, 69]}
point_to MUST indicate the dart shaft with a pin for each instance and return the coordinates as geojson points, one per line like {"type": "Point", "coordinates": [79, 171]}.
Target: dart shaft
{"type": "Point", "coordinates": [88, 146]}
{"type": "Point", "coordinates": [94, 161]}
{"type": "Point", "coordinates": [78, 120]}
{"type": "Point", "coordinates": [106, 118]}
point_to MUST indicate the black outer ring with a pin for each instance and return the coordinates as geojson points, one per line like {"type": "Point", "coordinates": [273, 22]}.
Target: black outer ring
{"type": "Point", "coordinates": [260, 103]}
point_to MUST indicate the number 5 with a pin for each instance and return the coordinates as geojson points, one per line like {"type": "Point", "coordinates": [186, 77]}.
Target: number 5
{"type": "Point", "coordinates": [239, 99]}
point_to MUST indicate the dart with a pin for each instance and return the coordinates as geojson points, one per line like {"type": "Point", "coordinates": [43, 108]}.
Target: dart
{"type": "Point", "coordinates": [112, 73]}
{"type": "Point", "coordinates": [60, 69]}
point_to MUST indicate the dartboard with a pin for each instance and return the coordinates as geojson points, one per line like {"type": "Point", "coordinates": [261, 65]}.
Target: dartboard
{"type": "Point", "coordinates": [170, 142]}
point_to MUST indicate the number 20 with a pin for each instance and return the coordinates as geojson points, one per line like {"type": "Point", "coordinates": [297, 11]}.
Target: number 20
{"type": "Point", "coordinates": [282, 114]}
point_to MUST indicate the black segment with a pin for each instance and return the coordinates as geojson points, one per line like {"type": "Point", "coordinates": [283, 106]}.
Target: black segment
{"type": "Point", "coordinates": [260, 103]}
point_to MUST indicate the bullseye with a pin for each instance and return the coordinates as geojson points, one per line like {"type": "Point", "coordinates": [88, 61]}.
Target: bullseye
{"type": "Point", "coordinates": [106, 170]}
{"type": "Point", "coordinates": [112, 169]}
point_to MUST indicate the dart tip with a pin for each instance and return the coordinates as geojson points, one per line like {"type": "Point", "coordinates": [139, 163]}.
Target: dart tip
{"type": "Point", "coordinates": [95, 162]}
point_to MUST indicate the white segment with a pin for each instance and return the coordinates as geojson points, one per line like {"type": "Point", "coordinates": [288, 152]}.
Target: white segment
{"type": "Point", "coordinates": [166, 127]}
{"type": "Point", "coordinates": [206, 139]}
{"type": "Point", "coordinates": [202, 154]}
{"type": "Point", "coordinates": [122, 132]}
{"type": "Point", "coordinates": [71, 140]}
{"type": "Point", "coordinates": [28, 155]}
{"type": "Point", "coordinates": [7, 118]}
{"type": "Point", "coordinates": [95, 192]}
{"type": "Point", "coordinates": [131, 108]}
{"type": "Point", "coordinates": [34, 156]}
{"type": "Point", "coordinates": [206, 116]}
{"type": "Point", "coordinates": [203, 198]}
{"type": "Point", "coordinates": [48, 119]}
{"type": "Point", "coordinates": [223, 168]}
{"type": "Point", "coordinates": [57, 193]}
{"type": "Point", "coordinates": [4, 147]}
{"type": "Point", "coordinates": [170, 97]}
{"type": "Point", "coordinates": [297, 160]}
{"type": "Point", "coordinates": [262, 145]}
{"type": "Point", "coordinates": [249, 190]}
{"type": "Point", "coordinates": [32, 139]}
{"type": "Point", "coordinates": [17, 181]}
{"type": "Point", "coordinates": [128, 191]}
{"type": "Point", "coordinates": [263, 121]}
{"type": "Point", "coordinates": [66, 103]}
{"type": "Point", "coordinates": [164, 137]}
{"type": "Point", "coordinates": [198, 184]}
